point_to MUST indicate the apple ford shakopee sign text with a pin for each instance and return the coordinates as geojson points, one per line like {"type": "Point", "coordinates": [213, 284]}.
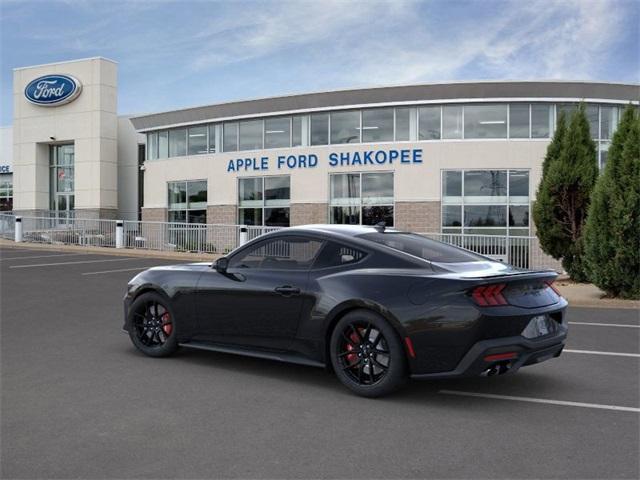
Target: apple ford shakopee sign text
{"type": "Point", "coordinates": [53, 90]}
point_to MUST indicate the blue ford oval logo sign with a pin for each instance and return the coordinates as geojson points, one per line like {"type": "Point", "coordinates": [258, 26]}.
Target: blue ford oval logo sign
{"type": "Point", "coordinates": [53, 90]}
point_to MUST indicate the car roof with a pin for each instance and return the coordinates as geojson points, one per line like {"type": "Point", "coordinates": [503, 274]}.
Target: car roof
{"type": "Point", "coordinates": [338, 230]}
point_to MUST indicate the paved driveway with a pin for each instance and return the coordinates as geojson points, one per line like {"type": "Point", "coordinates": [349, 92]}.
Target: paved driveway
{"type": "Point", "coordinates": [79, 402]}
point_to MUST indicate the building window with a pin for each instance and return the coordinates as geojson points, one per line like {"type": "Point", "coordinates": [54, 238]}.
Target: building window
{"type": "Point", "coordinates": [277, 132]}
{"type": "Point", "coordinates": [485, 202]}
{"type": "Point", "coordinates": [361, 198]}
{"type": "Point", "coordinates": [592, 112]}
{"type": "Point", "coordinates": [188, 201]}
{"type": "Point", "coordinates": [212, 138]}
{"type": "Point", "coordinates": [178, 142]}
{"type": "Point", "coordinates": [452, 121]}
{"type": "Point", "coordinates": [251, 133]}
{"type": "Point", "coordinates": [6, 192]}
{"type": "Point", "coordinates": [320, 129]}
{"type": "Point", "coordinates": [197, 140]}
{"type": "Point", "coordinates": [519, 120]}
{"type": "Point", "coordinates": [377, 125]}
{"type": "Point", "coordinates": [485, 121]}
{"type": "Point", "coordinates": [163, 144]}
{"type": "Point", "coordinates": [608, 122]}
{"type": "Point", "coordinates": [296, 131]}
{"type": "Point", "coordinates": [429, 123]}
{"type": "Point", "coordinates": [264, 201]}
{"type": "Point", "coordinates": [403, 124]}
{"type": "Point", "coordinates": [541, 120]}
{"type": "Point", "coordinates": [61, 179]}
{"type": "Point", "coordinates": [345, 127]}
{"type": "Point", "coordinates": [230, 137]}
{"type": "Point", "coordinates": [152, 146]}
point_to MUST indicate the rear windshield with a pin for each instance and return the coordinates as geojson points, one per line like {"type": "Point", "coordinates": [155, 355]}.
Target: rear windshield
{"type": "Point", "coordinates": [422, 247]}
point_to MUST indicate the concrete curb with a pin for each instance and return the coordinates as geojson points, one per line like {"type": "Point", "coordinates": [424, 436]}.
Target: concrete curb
{"type": "Point", "coordinates": [125, 252]}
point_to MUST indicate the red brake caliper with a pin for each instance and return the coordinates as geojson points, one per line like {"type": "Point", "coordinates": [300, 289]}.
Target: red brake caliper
{"type": "Point", "coordinates": [166, 323]}
{"type": "Point", "coordinates": [352, 357]}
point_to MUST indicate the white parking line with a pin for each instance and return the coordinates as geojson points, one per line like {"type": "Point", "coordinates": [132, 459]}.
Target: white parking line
{"type": "Point", "coordinates": [605, 324]}
{"type": "Point", "coordinates": [75, 263]}
{"type": "Point", "coordinates": [541, 400]}
{"type": "Point", "coordinates": [595, 352]}
{"type": "Point", "coordinates": [120, 270]}
{"type": "Point", "coordinates": [42, 256]}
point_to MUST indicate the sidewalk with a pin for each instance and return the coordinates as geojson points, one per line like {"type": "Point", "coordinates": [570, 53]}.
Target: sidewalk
{"type": "Point", "coordinates": [127, 252]}
{"type": "Point", "coordinates": [588, 295]}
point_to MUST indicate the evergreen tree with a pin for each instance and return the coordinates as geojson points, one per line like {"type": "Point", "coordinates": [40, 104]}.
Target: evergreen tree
{"type": "Point", "coordinates": [612, 233]}
{"type": "Point", "coordinates": [548, 231]}
{"type": "Point", "coordinates": [563, 197]}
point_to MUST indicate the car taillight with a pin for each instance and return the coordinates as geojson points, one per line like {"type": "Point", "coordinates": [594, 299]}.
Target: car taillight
{"type": "Point", "coordinates": [553, 287]}
{"type": "Point", "coordinates": [489, 295]}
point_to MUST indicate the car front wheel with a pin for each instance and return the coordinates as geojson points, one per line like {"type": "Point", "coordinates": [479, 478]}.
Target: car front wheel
{"type": "Point", "coordinates": [151, 325]}
{"type": "Point", "coordinates": [367, 354]}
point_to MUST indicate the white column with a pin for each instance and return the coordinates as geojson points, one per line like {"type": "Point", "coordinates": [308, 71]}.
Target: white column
{"type": "Point", "coordinates": [119, 234]}
{"type": "Point", "coordinates": [18, 230]}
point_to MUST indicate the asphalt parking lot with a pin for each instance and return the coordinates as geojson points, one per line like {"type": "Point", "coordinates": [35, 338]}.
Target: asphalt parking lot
{"type": "Point", "coordinates": [78, 401]}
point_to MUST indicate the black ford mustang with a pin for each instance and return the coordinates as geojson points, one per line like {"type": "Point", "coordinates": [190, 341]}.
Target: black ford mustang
{"type": "Point", "coordinates": [375, 305]}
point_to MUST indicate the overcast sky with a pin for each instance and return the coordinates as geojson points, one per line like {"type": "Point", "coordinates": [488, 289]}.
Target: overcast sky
{"type": "Point", "coordinates": [185, 53]}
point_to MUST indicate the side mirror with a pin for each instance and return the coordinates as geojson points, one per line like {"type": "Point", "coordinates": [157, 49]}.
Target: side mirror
{"type": "Point", "coordinates": [221, 265]}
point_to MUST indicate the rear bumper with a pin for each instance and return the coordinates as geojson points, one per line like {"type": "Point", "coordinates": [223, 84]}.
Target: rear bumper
{"type": "Point", "coordinates": [528, 352]}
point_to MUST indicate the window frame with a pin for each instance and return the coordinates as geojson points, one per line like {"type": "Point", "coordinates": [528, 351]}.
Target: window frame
{"type": "Point", "coordinates": [186, 210]}
{"type": "Point", "coordinates": [263, 206]}
{"type": "Point", "coordinates": [506, 204]}
{"type": "Point", "coordinates": [262, 242]}
{"type": "Point", "coordinates": [360, 205]}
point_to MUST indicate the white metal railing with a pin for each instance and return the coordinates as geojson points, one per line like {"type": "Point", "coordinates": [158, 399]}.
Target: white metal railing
{"type": "Point", "coordinates": [7, 225]}
{"type": "Point", "coordinates": [523, 252]}
{"type": "Point", "coordinates": [186, 237]}
{"type": "Point", "coordinates": [69, 231]}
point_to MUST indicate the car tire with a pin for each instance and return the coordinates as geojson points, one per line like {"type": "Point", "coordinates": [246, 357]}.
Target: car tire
{"type": "Point", "coordinates": [357, 356]}
{"type": "Point", "coordinates": [154, 334]}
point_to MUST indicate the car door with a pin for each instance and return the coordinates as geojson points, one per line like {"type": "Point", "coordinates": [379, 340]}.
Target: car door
{"type": "Point", "coordinates": [257, 301]}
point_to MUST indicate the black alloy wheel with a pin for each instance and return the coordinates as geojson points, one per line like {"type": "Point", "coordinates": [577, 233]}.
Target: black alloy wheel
{"type": "Point", "coordinates": [363, 353]}
{"type": "Point", "coordinates": [151, 325]}
{"type": "Point", "coordinates": [367, 354]}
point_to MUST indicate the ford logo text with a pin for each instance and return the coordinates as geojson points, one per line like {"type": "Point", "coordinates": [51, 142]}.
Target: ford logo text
{"type": "Point", "coordinates": [53, 90]}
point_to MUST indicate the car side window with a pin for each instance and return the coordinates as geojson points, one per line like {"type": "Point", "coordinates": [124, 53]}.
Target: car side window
{"type": "Point", "coordinates": [282, 253]}
{"type": "Point", "coordinates": [336, 255]}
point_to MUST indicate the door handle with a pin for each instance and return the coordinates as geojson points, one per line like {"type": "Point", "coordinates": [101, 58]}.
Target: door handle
{"type": "Point", "coordinates": [287, 290]}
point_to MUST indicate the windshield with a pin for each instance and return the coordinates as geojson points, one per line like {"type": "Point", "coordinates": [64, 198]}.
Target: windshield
{"type": "Point", "coordinates": [422, 247]}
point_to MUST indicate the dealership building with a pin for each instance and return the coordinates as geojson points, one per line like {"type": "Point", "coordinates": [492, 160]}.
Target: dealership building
{"type": "Point", "coordinates": [460, 157]}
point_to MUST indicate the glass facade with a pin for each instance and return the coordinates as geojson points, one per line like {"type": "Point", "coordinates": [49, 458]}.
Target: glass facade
{"type": "Point", "coordinates": [485, 121]}
{"type": "Point", "coordinates": [383, 124]}
{"type": "Point", "coordinates": [187, 201]}
{"type": "Point", "coordinates": [345, 127]}
{"type": "Point", "coordinates": [6, 192]}
{"type": "Point", "coordinates": [429, 123]}
{"type": "Point", "coordinates": [361, 198]}
{"type": "Point", "coordinates": [61, 179]}
{"type": "Point", "coordinates": [486, 202]}
{"type": "Point", "coordinates": [377, 125]}
{"type": "Point", "coordinates": [264, 201]}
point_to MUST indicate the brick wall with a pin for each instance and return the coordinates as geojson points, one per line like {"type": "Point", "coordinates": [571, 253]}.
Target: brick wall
{"type": "Point", "coordinates": [222, 214]}
{"type": "Point", "coordinates": [154, 214]}
{"type": "Point", "coordinates": [418, 217]}
{"type": "Point", "coordinates": [308, 213]}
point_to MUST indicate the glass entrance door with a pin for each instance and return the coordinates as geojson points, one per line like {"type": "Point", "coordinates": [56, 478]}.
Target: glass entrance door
{"type": "Point", "coordinates": [62, 176]}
